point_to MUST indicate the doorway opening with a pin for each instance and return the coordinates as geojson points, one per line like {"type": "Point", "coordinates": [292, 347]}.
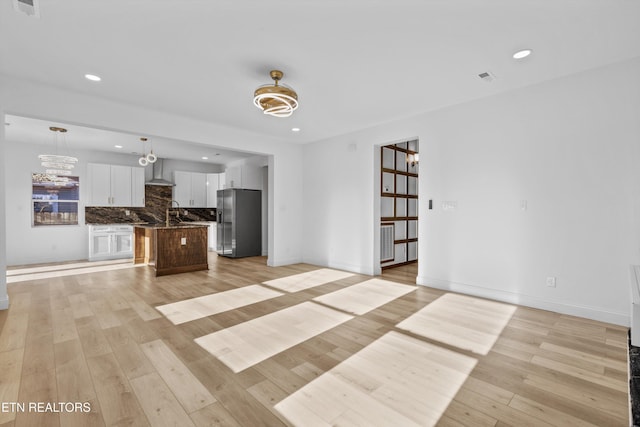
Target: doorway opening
{"type": "Point", "coordinates": [399, 204]}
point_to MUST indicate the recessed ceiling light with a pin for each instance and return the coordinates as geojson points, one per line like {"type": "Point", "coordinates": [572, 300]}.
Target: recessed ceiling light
{"type": "Point", "coordinates": [118, 146]}
{"type": "Point", "coordinates": [522, 54]}
{"type": "Point", "coordinates": [205, 158]}
{"type": "Point", "coordinates": [295, 129]}
{"type": "Point", "coordinates": [92, 77]}
{"type": "Point", "coordinates": [217, 154]}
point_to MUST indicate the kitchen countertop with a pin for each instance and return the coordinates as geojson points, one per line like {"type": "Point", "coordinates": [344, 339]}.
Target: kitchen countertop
{"type": "Point", "coordinates": [172, 226]}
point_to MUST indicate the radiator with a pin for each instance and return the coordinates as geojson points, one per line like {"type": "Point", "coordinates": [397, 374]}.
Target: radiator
{"type": "Point", "coordinates": [386, 242]}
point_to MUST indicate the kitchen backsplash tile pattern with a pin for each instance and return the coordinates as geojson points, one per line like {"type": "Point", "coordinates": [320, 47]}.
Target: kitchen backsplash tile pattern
{"type": "Point", "coordinates": [157, 199]}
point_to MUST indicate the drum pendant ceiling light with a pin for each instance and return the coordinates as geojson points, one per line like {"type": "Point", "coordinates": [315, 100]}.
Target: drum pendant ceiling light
{"type": "Point", "coordinates": [57, 164]}
{"type": "Point", "coordinates": [276, 100]}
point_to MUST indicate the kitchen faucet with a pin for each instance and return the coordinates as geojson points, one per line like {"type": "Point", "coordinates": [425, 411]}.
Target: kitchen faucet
{"type": "Point", "coordinates": [169, 207]}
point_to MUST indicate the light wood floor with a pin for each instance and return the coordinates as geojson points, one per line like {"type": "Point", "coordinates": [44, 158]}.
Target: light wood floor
{"type": "Point", "coordinates": [97, 338]}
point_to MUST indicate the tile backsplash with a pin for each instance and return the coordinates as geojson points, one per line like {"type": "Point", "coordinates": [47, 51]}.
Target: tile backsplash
{"type": "Point", "coordinates": [157, 199]}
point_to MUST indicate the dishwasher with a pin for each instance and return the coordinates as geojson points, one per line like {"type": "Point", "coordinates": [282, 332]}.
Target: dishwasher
{"type": "Point", "coordinates": [111, 241]}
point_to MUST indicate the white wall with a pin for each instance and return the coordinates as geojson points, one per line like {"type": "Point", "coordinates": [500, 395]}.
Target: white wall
{"type": "Point", "coordinates": [40, 244]}
{"type": "Point", "coordinates": [4, 298]}
{"type": "Point", "coordinates": [171, 165]}
{"type": "Point", "coordinates": [265, 210]}
{"type": "Point", "coordinates": [39, 101]}
{"type": "Point", "coordinates": [338, 204]}
{"type": "Point", "coordinates": [569, 147]}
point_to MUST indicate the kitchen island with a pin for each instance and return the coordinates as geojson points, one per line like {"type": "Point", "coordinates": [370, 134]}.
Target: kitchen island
{"type": "Point", "coordinates": [171, 249]}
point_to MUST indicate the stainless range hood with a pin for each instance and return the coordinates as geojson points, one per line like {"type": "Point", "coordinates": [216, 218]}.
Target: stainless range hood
{"type": "Point", "coordinates": [158, 166]}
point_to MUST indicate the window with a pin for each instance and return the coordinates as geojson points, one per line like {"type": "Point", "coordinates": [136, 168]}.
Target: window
{"type": "Point", "coordinates": [54, 199]}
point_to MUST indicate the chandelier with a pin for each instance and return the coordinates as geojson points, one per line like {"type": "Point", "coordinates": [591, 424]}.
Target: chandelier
{"type": "Point", "coordinates": [57, 164]}
{"type": "Point", "coordinates": [276, 100]}
{"type": "Point", "coordinates": [144, 160]}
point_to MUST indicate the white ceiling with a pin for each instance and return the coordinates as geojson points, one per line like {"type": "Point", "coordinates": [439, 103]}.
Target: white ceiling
{"type": "Point", "coordinates": [353, 63]}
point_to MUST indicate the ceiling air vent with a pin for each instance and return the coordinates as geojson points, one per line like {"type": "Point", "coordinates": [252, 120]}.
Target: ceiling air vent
{"type": "Point", "coordinates": [30, 7]}
{"type": "Point", "coordinates": [487, 77]}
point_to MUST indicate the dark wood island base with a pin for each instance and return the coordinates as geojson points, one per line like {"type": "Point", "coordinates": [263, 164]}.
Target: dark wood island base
{"type": "Point", "coordinates": [173, 249]}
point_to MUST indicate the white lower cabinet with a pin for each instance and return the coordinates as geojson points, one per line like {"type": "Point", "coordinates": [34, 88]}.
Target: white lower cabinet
{"type": "Point", "coordinates": [110, 242]}
{"type": "Point", "coordinates": [213, 236]}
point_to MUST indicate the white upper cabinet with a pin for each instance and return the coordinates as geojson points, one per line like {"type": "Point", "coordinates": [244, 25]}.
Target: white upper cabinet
{"type": "Point", "coordinates": [120, 185]}
{"type": "Point", "coordinates": [246, 176]}
{"type": "Point", "coordinates": [137, 187]}
{"type": "Point", "coordinates": [190, 189]}
{"type": "Point", "coordinates": [110, 185]}
{"type": "Point", "coordinates": [213, 185]}
{"type": "Point", "coordinates": [251, 178]}
{"type": "Point", "coordinates": [215, 182]}
{"type": "Point", "coordinates": [182, 189]}
{"type": "Point", "coordinates": [233, 177]}
{"type": "Point", "coordinates": [199, 190]}
{"type": "Point", "coordinates": [100, 184]}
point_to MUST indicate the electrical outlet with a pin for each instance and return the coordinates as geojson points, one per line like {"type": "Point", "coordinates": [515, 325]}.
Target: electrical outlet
{"type": "Point", "coordinates": [551, 282]}
{"type": "Point", "coordinates": [185, 212]}
{"type": "Point", "coordinates": [183, 241]}
{"type": "Point", "coordinates": [127, 212]}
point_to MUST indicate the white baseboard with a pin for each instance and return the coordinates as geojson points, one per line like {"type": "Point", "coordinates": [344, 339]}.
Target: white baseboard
{"type": "Point", "coordinates": [281, 262]}
{"type": "Point", "coordinates": [622, 319]}
{"type": "Point", "coordinates": [351, 268]}
{"type": "Point", "coordinates": [358, 269]}
{"type": "Point", "coordinates": [4, 302]}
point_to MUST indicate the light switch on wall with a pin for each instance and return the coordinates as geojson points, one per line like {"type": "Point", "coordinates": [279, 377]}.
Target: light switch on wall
{"type": "Point", "coordinates": [449, 205]}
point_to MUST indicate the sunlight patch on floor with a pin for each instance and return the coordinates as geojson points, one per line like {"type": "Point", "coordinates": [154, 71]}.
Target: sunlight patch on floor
{"type": "Point", "coordinates": [66, 269]}
{"type": "Point", "coordinates": [395, 381]}
{"type": "Point", "coordinates": [310, 279]}
{"type": "Point", "coordinates": [461, 321]}
{"type": "Point", "coordinates": [243, 345]}
{"type": "Point", "coordinates": [366, 296]}
{"type": "Point", "coordinates": [208, 305]}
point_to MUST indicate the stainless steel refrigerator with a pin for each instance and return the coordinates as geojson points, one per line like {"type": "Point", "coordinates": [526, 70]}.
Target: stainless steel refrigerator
{"type": "Point", "coordinates": [239, 222]}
